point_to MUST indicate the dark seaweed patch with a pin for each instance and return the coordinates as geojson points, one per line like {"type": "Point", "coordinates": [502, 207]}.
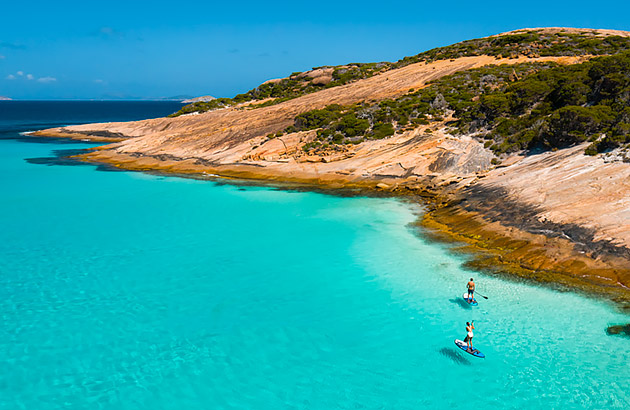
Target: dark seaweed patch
{"type": "Point", "coordinates": [65, 157]}
{"type": "Point", "coordinates": [15, 135]}
{"type": "Point", "coordinates": [623, 330]}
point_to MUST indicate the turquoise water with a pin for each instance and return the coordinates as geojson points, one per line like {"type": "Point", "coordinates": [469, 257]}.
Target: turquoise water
{"type": "Point", "coordinates": [124, 290]}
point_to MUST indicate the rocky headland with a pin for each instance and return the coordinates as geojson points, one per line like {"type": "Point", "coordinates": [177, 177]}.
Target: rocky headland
{"type": "Point", "coordinates": [527, 202]}
{"type": "Point", "coordinates": [203, 98]}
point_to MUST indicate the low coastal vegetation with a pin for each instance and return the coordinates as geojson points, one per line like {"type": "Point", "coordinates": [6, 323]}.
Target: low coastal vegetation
{"type": "Point", "coordinates": [556, 108]}
{"type": "Point", "coordinates": [510, 107]}
{"type": "Point", "coordinates": [276, 91]}
{"type": "Point", "coordinates": [534, 43]}
{"type": "Point", "coordinates": [456, 93]}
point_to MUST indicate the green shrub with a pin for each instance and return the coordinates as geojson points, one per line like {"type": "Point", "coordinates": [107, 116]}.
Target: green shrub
{"type": "Point", "coordinates": [351, 126]}
{"type": "Point", "coordinates": [381, 130]}
{"type": "Point", "coordinates": [317, 118]}
{"type": "Point", "coordinates": [573, 124]}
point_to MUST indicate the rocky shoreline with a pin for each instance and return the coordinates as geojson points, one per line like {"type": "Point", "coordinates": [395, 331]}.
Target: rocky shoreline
{"type": "Point", "coordinates": [502, 235]}
{"type": "Point", "coordinates": [94, 136]}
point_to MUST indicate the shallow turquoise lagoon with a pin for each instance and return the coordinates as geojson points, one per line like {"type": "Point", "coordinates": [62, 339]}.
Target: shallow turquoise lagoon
{"type": "Point", "coordinates": [124, 290]}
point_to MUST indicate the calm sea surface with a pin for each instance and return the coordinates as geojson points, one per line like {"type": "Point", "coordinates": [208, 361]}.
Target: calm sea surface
{"type": "Point", "coordinates": [123, 290]}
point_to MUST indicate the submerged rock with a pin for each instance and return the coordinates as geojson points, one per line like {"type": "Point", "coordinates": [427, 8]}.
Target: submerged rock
{"type": "Point", "coordinates": [619, 330]}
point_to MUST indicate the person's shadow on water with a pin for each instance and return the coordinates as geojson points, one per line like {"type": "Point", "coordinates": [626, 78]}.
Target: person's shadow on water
{"type": "Point", "coordinates": [461, 302]}
{"type": "Point", "coordinates": [454, 356]}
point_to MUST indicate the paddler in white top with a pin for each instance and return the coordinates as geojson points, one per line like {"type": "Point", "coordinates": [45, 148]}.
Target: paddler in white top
{"type": "Point", "coordinates": [470, 326]}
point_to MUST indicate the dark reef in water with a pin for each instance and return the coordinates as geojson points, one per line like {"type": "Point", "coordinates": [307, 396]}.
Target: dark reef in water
{"type": "Point", "coordinates": [15, 135]}
{"type": "Point", "coordinates": [65, 157]}
{"type": "Point", "coordinates": [623, 330]}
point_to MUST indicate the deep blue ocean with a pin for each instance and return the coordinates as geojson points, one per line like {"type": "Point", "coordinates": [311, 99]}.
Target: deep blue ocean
{"type": "Point", "coordinates": [123, 290]}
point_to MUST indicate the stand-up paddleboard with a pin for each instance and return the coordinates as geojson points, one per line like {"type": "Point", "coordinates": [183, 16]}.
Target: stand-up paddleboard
{"type": "Point", "coordinates": [462, 345]}
{"type": "Point", "coordinates": [474, 301]}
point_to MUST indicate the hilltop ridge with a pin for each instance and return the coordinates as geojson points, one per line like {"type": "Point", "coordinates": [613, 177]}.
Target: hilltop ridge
{"type": "Point", "coordinates": [555, 30]}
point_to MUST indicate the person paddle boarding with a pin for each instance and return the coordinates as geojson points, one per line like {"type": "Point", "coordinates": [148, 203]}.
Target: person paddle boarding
{"type": "Point", "coordinates": [470, 326]}
{"type": "Point", "coordinates": [467, 344]}
{"type": "Point", "coordinates": [471, 290]}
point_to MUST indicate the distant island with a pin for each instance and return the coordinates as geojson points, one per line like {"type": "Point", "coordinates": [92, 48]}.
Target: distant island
{"type": "Point", "coordinates": [204, 98]}
{"type": "Point", "coordinates": [2, 98]}
{"type": "Point", "coordinates": [519, 143]}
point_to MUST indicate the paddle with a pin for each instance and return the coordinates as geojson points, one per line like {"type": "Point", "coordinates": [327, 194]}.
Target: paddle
{"type": "Point", "coordinates": [477, 293]}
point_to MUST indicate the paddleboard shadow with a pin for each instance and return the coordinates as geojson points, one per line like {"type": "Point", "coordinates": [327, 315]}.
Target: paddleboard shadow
{"type": "Point", "coordinates": [454, 356]}
{"type": "Point", "coordinates": [461, 303]}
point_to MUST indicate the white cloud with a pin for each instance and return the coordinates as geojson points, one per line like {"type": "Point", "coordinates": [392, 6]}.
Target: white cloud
{"type": "Point", "coordinates": [30, 77]}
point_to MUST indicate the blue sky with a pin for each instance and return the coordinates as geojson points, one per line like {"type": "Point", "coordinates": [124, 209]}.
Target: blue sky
{"type": "Point", "coordinates": [127, 49]}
